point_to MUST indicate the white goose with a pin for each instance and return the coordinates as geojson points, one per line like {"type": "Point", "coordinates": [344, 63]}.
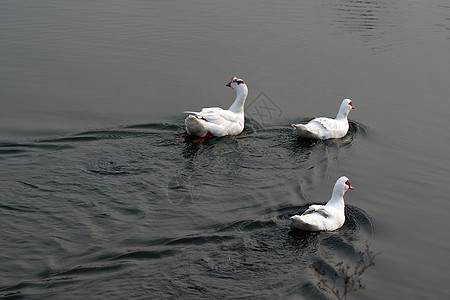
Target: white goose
{"type": "Point", "coordinates": [326, 128]}
{"type": "Point", "coordinates": [326, 217]}
{"type": "Point", "coordinates": [215, 121]}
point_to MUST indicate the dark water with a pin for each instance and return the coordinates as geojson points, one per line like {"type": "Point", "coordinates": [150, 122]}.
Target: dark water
{"type": "Point", "coordinates": [99, 199]}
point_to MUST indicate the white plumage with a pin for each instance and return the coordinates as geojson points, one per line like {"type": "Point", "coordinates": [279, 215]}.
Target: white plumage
{"type": "Point", "coordinates": [326, 128]}
{"type": "Point", "coordinates": [326, 217]}
{"type": "Point", "coordinates": [219, 122]}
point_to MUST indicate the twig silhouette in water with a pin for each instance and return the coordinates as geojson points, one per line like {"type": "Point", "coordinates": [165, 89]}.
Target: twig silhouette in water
{"type": "Point", "coordinates": [347, 279]}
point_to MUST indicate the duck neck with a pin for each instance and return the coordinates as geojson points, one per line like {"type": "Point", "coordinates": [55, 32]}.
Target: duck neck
{"type": "Point", "coordinates": [342, 115]}
{"type": "Point", "coordinates": [337, 198]}
{"type": "Point", "coordinates": [238, 104]}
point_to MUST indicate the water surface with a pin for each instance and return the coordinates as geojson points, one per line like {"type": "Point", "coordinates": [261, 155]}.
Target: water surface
{"type": "Point", "coordinates": [100, 199]}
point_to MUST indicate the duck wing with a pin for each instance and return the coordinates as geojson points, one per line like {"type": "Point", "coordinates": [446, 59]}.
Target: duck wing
{"type": "Point", "coordinates": [320, 209]}
{"type": "Point", "coordinates": [215, 115]}
{"type": "Point", "coordinates": [325, 123]}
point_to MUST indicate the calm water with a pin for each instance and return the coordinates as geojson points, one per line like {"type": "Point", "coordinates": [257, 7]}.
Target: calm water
{"type": "Point", "coordinates": [100, 200]}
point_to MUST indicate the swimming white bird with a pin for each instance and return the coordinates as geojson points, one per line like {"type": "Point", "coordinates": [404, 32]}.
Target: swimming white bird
{"type": "Point", "coordinates": [326, 217]}
{"type": "Point", "coordinates": [215, 121]}
{"type": "Point", "coordinates": [326, 128]}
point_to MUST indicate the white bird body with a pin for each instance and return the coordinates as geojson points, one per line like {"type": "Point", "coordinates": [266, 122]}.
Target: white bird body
{"type": "Point", "coordinates": [324, 128]}
{"type": "Point", "coordinates": [326, 217]}
{"type": "Point", "coordinates": [217, 121]}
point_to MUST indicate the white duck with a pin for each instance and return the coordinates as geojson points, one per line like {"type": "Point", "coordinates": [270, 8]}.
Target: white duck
{"type": "Point", "coordinates": [326, 217]}
{"type": "Point", "coordinates": [215, 121]}
{"type": "Point", "coordinates": [326, 128]}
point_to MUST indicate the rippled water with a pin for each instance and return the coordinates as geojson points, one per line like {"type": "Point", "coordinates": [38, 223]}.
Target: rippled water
{"type": "Point", "coordinates": [101, 199]}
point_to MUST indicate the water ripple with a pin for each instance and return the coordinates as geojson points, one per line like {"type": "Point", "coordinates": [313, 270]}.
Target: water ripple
{"type": "Point", "coordinates": [137, 255]}
{"type": "Point", "coordinates": [199, 240]}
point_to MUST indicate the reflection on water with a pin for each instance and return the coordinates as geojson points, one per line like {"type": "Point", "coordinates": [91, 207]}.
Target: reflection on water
{"type": "Point", "coordinates": [344, 278]}
{"type": "Point", "coordinates": [363, 16]}
{"type": "Point", "coordinates": [371, 21]}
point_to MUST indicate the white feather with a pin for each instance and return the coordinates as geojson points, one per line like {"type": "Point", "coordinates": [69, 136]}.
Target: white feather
{"type": "Point", "coordinates": [326, 128]}
{"type": "Point", "coordinates": [326, 217]}
{"type": "Point", "coordinates": [217, 121]}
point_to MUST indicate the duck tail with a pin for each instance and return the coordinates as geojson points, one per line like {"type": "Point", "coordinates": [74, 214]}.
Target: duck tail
{"type": "Point", "coordinates": [299, 222]}
{"type": "Point", "coordinates": [195, 126]}
{"type": "Point", "coordinates": [303, 131]}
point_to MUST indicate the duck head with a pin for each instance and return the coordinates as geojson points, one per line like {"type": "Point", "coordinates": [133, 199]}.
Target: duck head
{"type": "Point", "coordinates": [237, 84]}
{"type": "Point", "coordinates": [343, 183]}
{"type": "Point", "coordinates": [345, 108]}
